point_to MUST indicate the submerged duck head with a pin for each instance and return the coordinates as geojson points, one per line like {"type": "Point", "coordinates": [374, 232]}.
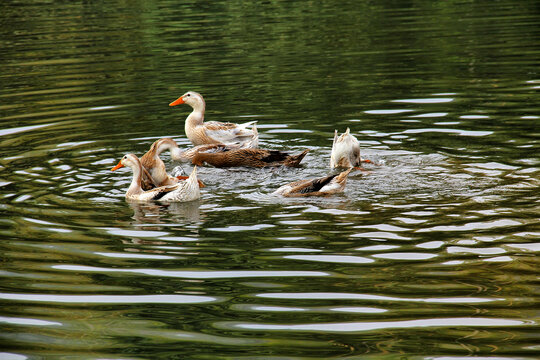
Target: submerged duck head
{"type": "Point", "coordinates": [345, 150]}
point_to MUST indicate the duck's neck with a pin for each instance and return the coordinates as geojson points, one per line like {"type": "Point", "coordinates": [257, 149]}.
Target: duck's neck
{"type": "Point", "coordinates": [178, 155]}
{"type": "Point", "coordinates": [135, 186]}
{"type": "Point", "coordinates": [196, 117]}
{"type": "Point", "coordinates": [158, 172]}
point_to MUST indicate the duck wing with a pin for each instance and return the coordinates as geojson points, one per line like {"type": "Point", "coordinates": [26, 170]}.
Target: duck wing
{"type": "Point", "coordinates": [160, 192]}
{"type": "Point", "coordinates": [313, 185]}
{"type": "Point", "coordinates": [276, 157]}
{"type": "Point", "coordinates": [229, 133]}
{"type": "Point", "coordinates": [270, 156]}
{"type": "Point", "coordinates": [147, 181]}
{"type": "Point", "coordinates": [216, 148]}
{"type": "Point", "coordinates": [205, 148]}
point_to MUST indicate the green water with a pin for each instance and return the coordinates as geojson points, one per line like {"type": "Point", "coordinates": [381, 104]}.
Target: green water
{"type": "Point", "coordinates": [429, 255]}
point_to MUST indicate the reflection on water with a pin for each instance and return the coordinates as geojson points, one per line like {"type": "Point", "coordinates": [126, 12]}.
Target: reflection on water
{"type": "Point", "coordinates": [429, 253]}
{"type": "Point", "coordinates": [147, 214]}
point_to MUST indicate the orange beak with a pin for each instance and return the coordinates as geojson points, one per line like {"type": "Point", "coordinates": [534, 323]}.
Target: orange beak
{"type": "Point", "coordinates": [178, 101]}
{"type": "Point", "coordinates": [120, 165]}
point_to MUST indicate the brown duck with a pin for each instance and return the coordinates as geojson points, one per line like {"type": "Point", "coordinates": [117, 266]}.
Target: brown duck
{"type": "Point", "coordinates": [154, 173]}
{"type": "Point", "coordinates": [248, 157]}
{"type": "Point", "coordinates": [324, 186]}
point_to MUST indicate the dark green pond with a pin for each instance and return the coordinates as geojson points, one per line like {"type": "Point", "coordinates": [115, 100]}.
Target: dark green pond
{"type": "Point", "coordinates": [430, 255]}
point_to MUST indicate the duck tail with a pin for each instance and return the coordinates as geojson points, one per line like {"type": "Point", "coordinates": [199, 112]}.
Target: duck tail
{"type": "Point", "coordinates": [254, 142]}
{"type": "Point", "coordinates": [246, 124]}
{"type": "Point", "coordinates": [182, 177]}
{"type": "Point", "coordinates": [342, 177]}
{"type": "Point", "coordinates": [294, 160]}
{"type": "Point", "coordinates": [192, 179]}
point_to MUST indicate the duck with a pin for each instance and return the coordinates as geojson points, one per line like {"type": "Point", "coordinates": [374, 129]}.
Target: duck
{"type": "Point", "coordinates": [323, 186]}
{"type": "Point", "coordinates": [181, 192]}
{"type": "Point", "coordinates": [155, 167]}
{"type": "Point", "coordinates": [214, 132]}
{"type": "Point", "coordinates": [187, 155]}
{"type": "Point", "coordinates": [345, 151]}
{"type": "Point", "coordinates": [247, 157]}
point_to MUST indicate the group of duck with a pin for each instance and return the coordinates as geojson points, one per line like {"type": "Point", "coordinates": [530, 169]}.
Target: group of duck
{"type": "Point", "coordinates": [227, 145]}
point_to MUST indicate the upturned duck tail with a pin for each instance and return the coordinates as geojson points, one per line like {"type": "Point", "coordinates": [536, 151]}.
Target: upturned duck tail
{"type": "Point", "coordinates": [294, 160]}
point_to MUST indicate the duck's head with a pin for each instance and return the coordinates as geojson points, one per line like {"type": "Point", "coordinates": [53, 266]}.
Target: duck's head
{"type": "Point", "coordinates": [129, 160]}
{"type": "Point", "coordinates": [192, 98]}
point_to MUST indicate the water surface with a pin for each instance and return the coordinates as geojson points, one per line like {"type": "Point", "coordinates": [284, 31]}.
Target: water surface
{"type": "Point", "coordinates": [429, 254]}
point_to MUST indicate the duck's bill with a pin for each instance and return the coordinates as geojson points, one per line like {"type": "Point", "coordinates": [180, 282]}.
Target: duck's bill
{"type": "Point", "coordinates": [178, 101]}
{"type": "Point", "coordinates": [120, 165]}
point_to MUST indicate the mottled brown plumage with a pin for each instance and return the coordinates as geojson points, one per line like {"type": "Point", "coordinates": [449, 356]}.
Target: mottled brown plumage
{"type": "Point", "coordinates": [248, 157]}
{"type": "Point", "coordinates": [154, 172]}
{"type": "Point", "coordinates": [324, 186]}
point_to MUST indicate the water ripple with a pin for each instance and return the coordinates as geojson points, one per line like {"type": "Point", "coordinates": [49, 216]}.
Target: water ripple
{"type": "Point", "coordinates": [430, 253]}
{"type": "Point", "coordinates": [203, 274]}
{"type": "Point", "coordinates": [111, 299]}
{"type": "Point", "coordinates": [344, 259]}
{"type": "Point", "coordinates": [370, 326]}
{"type": "Point", "coordinates": [353, 296]}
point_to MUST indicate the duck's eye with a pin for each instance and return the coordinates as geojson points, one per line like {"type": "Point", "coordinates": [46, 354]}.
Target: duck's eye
{"type": "Point", "coordinates": [188, 94]}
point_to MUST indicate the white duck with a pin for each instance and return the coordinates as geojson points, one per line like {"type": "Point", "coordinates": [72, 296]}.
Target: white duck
{"type": "Point", "coordinates": [183, 191]}
{"type": "Point", "coordinates": [214, 132]}
{"type": "Point", "coordinates": [345, 151]}
{"type": "Point", "coordinates": [324, 186]}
